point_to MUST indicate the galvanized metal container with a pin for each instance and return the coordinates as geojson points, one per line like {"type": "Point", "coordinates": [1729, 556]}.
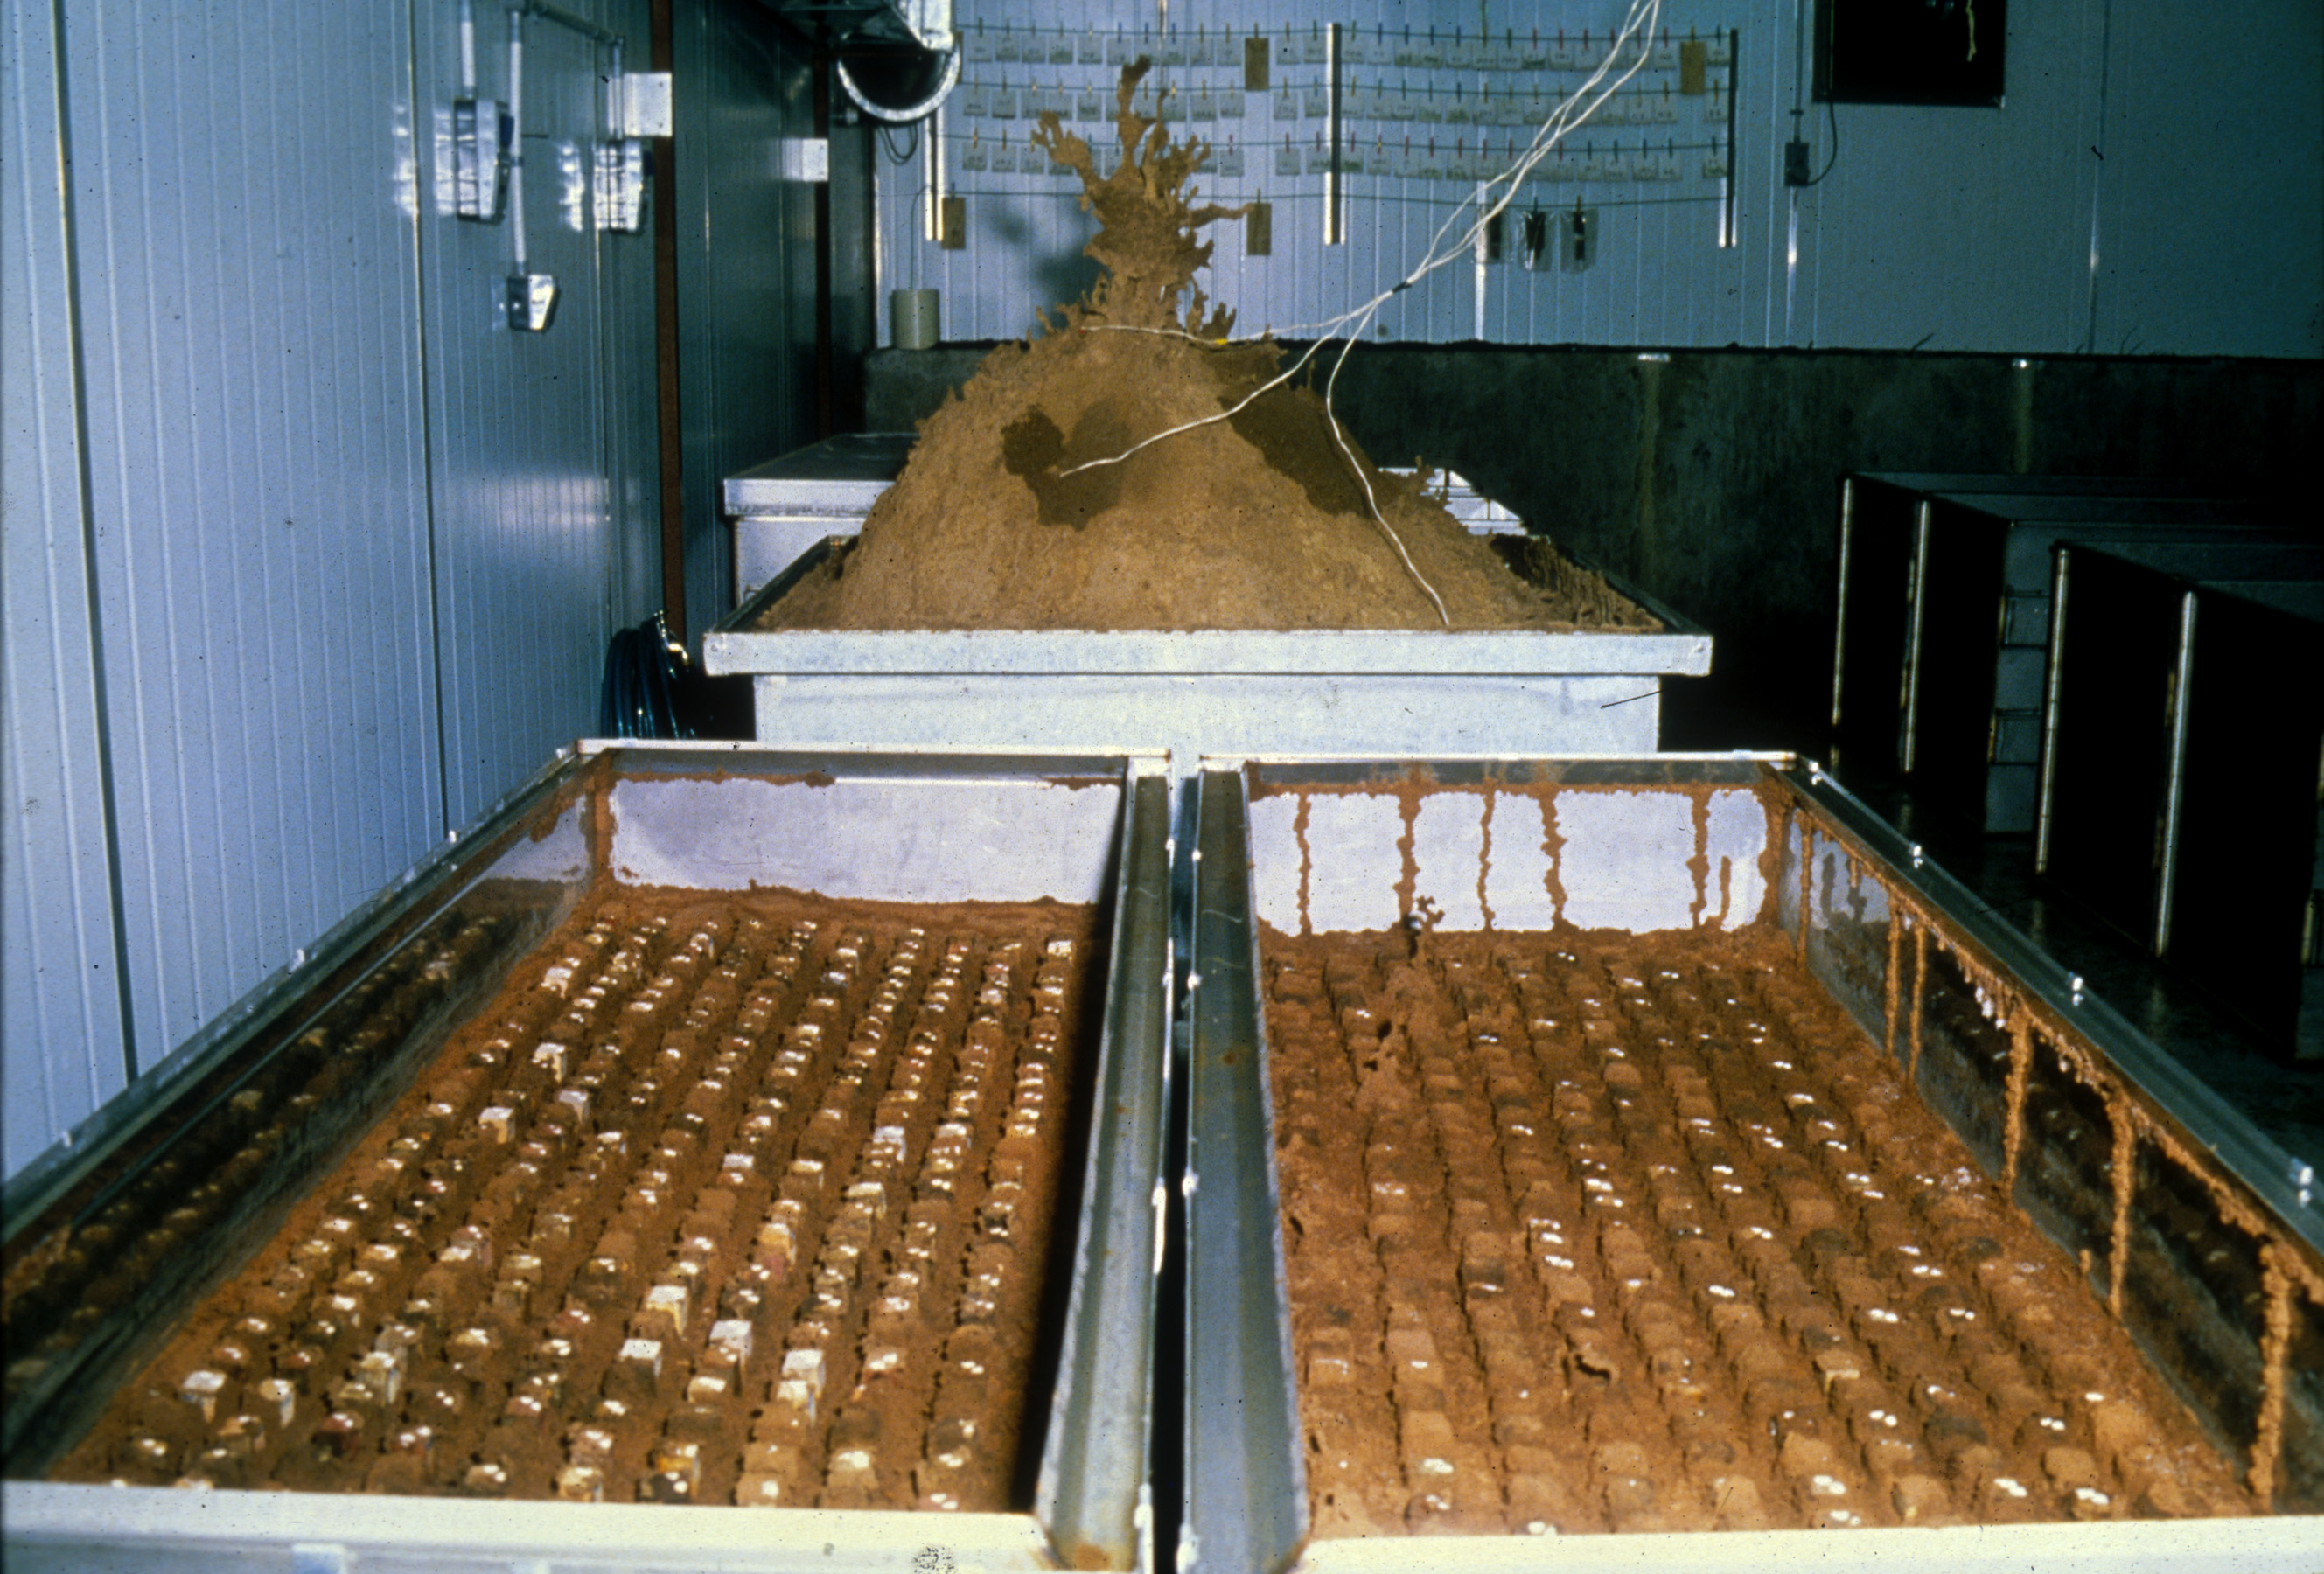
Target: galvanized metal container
{"type": "Point", "coordinates": [2202, 1289]}
{"type": "Point", "coordinates": [172, 1175]}
{"type": "Point", "coordinates": [2179, 787]}
{"type": "Point", "coordinates": [781, 509]}
{"type": "Point", "coordinates": [1215, 691]}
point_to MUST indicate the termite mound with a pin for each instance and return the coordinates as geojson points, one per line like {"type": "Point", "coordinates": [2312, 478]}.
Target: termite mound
{"type": "Point", "coordinates": [1259, 520]}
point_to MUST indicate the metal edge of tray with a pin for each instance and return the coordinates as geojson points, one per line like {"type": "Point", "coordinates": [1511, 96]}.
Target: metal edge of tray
{"type": "Point", "coordinates": [55, 1526]}
{"type": "Point", "coordinates": [1097, 1470]}
{"type": "Point", "coordinates": [2284, 1545]}
{"type": "Point", "coordinates": [67, 1185]}
{"type": "Point", "coordinates": [2285, 1184]}
{"type": "Point", "coordinates": [1246, 1488]}
{"type": "Point", "coordinates": [729, 649]}
{"type": "Point", "coordinates": [34, 1188]}
{"type": "Point", "coordinates": [1092, 1494]}
{"type": "Point", "coordinates": [2229, 1545]}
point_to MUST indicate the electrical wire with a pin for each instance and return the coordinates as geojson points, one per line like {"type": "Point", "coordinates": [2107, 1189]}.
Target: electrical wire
{"type": "Point", "coordinates": [1832, 109]}
{"type": "Point", "coordinates": [911, 143]}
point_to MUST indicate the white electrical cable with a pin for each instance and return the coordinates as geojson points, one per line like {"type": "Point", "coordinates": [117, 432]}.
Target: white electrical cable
{"type": "Point", "coordinates": [516, 135]}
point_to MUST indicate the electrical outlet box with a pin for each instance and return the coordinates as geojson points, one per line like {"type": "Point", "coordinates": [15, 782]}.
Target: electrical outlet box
{"type": "Point", "coordinates": [531, 301]}
{"type": "Point", "coordinates": [1493, 245]}
{"type": "Point", "coordinates": [1259, 230]}
{"type": "Point", "coordinates": [1795, 163]}
{"type": "Point", "coordinates": [481, 132]}
{"type": "Point", "coordinates": [638, 103]}
{"type": "Point", "coordinates": [804, 160]}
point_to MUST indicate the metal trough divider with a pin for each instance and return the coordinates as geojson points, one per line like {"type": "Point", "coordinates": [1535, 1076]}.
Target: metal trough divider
{"type": "Point", "coordinates": [2239, 1342]}
{"type": "Point", "coordinates": [1245, 1480]}
{"type": "Point", "coordinates": [1077, 827]}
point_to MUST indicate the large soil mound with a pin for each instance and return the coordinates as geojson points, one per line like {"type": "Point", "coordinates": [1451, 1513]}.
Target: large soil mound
{"type": "Point", "coordinates": [1260, 520]}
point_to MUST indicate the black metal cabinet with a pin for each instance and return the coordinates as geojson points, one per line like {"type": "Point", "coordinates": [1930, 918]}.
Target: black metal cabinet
{"type": "Point", "coordinates": [2180, 790]}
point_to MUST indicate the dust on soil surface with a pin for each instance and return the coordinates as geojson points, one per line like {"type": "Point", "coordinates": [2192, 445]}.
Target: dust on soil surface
{"type": "Point", "coordinates": [1649, 1236]}
{"type": "Point", "coordinates": [723, 1200]}
{"type": "Point", "coordinates": [1257, 522]}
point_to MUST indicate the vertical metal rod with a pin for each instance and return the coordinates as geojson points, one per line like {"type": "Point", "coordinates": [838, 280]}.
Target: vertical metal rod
{"type": "Point", "coordinates": [932, 219]}
{"type": "Point", "coordinates": [1334, 231]}
{"type": "Point", "coordinates": [2060, 576]}
{"type": "Point", "coordinates": [1839, 622]}
{"type": "Point", "coordinates": [1916, 597]}
{"type": "Point", "coordinates": [2174, 781]}
{"type": "Point", "coordinates": [516, 135]}
{"type": "Point", "coordinates": [1727, 237]}
{"type": "Point", "coordinates": [116, 915]}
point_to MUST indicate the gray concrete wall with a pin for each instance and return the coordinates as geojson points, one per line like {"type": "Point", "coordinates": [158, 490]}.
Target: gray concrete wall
{"type": "Point", "coordinates": [1711, 478]}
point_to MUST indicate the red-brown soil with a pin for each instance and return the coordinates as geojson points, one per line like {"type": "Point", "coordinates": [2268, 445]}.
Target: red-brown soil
{"type": "Point", "coordinates": [1649, 1236]}
{"type": "Point", "coordinates": [724, 1199]}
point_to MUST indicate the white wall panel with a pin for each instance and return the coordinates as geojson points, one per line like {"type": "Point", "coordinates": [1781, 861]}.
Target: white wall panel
{"type": "Point", "coordinates": [60, 1017]}
{"type": "Point", "coordinates": [2190, 140]}
{"type": "Point", "coordinates": [256, 476]}
{"type": "Point", "coordinates": [287, 507]}
{"type": "Point", "coordinates": [2212, 195]}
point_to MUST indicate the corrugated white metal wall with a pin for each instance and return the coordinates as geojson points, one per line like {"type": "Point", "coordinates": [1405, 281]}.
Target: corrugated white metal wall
{"type": "Point", "coordinates": [2153, 182]}
{"type": "Point", "coordinates": [59, 984]}
{"type": "Point", "coordinates": [309, 558]}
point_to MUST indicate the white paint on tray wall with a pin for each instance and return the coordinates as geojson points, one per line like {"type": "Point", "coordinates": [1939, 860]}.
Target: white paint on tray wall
{"type": "Point", "coordinates": [887, 840]}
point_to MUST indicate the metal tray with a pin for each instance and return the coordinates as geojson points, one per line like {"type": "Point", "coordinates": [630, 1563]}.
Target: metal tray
{"type": "Point", "coordinates": [164, 1170]}
{"type": "Point", "coordinates": [1217, 691]}
{"type": "Point", "coordinates": [2189, 1294]}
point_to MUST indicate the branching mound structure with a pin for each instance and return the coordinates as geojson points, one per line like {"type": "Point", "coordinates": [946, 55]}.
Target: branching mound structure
{"type": "Point", "coordinates": [1013, 513]}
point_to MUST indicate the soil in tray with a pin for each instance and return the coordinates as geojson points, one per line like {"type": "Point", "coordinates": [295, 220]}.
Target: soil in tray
{"type": "Point", "coordinates": [1011, 513]}
{"type": "Point", "coordinates": [724, 1199]}
{"type": "Point", "coordinates": [1649, 1236]}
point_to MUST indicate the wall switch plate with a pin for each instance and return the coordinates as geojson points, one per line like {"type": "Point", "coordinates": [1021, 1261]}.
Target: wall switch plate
{"type": "Point", "coordinates": [480, 158]}
{"type": "Point", "coordinates": [1795, 163]}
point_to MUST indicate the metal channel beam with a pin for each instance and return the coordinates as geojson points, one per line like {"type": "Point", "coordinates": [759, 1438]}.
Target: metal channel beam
{"type": "Point", "coordinates": [1093, 1464]}
{"type": "Point", "coordinates": [1246, 1483]}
